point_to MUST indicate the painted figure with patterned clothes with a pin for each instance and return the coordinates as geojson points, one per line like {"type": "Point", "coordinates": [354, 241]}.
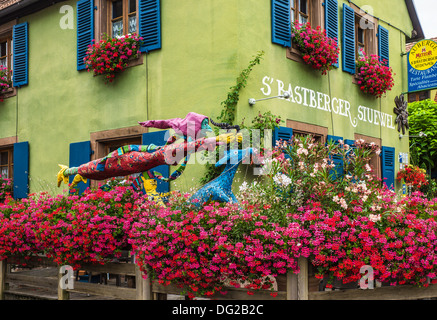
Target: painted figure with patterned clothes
{"type": "Point", "coordinates": [138, 159]}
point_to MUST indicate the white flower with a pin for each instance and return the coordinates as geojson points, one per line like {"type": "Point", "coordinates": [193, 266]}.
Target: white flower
{"type": "Point", "coordinates": [244, 186]}
{"type": "Point", "coordinates": [282, 180]}
{"type": "Point", "coordinates": [302, 150]}
{"type": "Point", "coordinates": [374, 217]}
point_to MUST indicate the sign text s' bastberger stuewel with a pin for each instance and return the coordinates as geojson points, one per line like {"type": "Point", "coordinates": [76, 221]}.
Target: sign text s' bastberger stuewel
{"type": "Point", "coordinates": [323, 102]}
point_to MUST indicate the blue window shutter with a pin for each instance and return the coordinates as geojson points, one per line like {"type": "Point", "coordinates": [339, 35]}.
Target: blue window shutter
{"type": "Point", "coordinates": [21, 170]}
{"type": "Point", "coordinates": [331, 21]}
{"type": "Point", "coordinates": [348, 39]}
{"type": "Point", "coordinates": [80, 153]}
{"type": "Point", "coordinates": [159, 138]}
{"type": "Point", "coordinates": [338, 171]}
{"type": "Point", "coordinates": [281, 23]}
{"type": "Point", "coordinates": [20, 38]}
{"type": "Point", "coordinates": [383, 45]}
{"type": "Point", "coordinates": [388, 166]}
{"type": "Point", "coordinates": [282, 133]}
{"type": "Point", "coordinates": [85, 29]}
{"type": "Point", "coordinates": [150, 24]}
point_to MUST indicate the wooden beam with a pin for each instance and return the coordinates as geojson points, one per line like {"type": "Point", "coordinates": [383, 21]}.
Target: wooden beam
{"type": "Point", "coordinates": [104, 290]}
{"type": "Point", "coordinates": [63, 294]}
{"type": "Point", "coordinates": [404, 292]}
{"type": "Point", "coordinates": [302, 279]}
{"type": "Point", "coordinates": [292, 281]}
{"type": "Point", "coordinates": [2, 279]}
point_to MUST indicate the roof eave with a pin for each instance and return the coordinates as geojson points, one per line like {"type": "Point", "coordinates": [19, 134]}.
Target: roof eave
{"type": "Point", "coordinates": [23, 8]}
{"type": "Point", "coordinates": [417, 32]}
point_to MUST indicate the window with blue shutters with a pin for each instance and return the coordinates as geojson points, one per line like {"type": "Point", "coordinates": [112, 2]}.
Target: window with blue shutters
{"type": "Point", "coordinates": [281, 23]}
{"type": "Point", "coordinates": [117, 18]}
{"type": "Point", "coordinates": [85, 29]}
{"type": "Point", "coordinates": [80, 153]}
{"type": "Point", "coordinates": [348, 39]}
{"type": "Point", "coordinates": [388, 166]}
{"type": "Point", "coordinates": [331, 21]}
{"type": "Point", "coordinates": [20, 38]}
{"type": "Point", "coordinates": [359, 36]}
{"type": "Point", "coordinates": [150, 24]}
{"type": "Point", "coordinates": [383, 45]}
{"type": "Point", "coordinates": [21, 170]}
{"type": "Point", "coordinates": [282, 134]}
{"type": "Point", "coordinates": [338, 171]}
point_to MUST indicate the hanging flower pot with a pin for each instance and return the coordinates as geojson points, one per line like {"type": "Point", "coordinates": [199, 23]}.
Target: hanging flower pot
{"type": "Point", "coordinates": [318, 50]}
{"type": "Point", "coordinates": [5, 83]}
{"type": "Point", "coordinates": [110, 56]}
{"type": "Point", "coordinates": [374, 77]}
{"type": "Point", "coordinates": [413, 176]}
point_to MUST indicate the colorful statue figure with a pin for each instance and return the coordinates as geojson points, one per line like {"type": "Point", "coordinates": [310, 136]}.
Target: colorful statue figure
{"type": "Point", "coordinates": [192, 127]}
{"type": "Point", "coordinates": [220, 189]}
{"type": "Point", "coordinates": [138, 158]}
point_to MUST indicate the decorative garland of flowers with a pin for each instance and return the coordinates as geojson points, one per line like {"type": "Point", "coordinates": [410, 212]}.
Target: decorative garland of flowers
{"type": "Point", "coordinates": [5, 83]}
{"type": "Point", "coordinates": [318, 50]}
{"type": "Point", "coordinates": [413, 176]}
{"type": "Point", "coordinates": [374, 77]}
{"type": "Point", "coordinates": [111, 55]}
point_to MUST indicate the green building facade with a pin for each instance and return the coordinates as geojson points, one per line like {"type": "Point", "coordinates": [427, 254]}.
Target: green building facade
{"type": "Point", "coordinates": [58, 113]}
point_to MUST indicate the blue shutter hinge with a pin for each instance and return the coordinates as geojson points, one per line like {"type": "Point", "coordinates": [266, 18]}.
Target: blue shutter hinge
{"type": "Point", "coordinates": [95, 8]}
{"type": "Point", "coordinates": [91, 152]}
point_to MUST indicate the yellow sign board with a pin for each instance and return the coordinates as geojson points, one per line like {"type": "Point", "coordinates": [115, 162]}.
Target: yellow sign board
{"type": "Point", "coordinates": [423, 55]}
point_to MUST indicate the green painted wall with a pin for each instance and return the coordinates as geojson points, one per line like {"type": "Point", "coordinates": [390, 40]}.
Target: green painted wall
{"type": "Point", "coordinates": [205, 45]}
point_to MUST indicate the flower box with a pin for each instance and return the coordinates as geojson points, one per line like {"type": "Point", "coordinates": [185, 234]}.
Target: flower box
{"type": "Point", "coordinates": [110, 56]}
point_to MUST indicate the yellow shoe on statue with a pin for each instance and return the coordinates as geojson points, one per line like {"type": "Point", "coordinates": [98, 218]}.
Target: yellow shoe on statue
{"type": "Point", "coordinates": [61, 176]}
{"type": "Point", "coordinates": [77, 178]}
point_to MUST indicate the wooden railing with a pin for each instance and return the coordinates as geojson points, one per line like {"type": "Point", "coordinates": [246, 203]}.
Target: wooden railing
{"type": "Point", "coordinates": [301, 286]}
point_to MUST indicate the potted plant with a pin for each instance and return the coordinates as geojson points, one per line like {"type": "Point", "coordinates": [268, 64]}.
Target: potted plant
{"type": "Point", "coordinates": [413, 176]}
{"type": "Point", "coordinates": [374, 77]}
{"type": "Point", "coordinates": [5, 83]}
{"type": "Point", "coordinates": [110, 56]}
{"type": "Point", "coordinates": [318, 50]}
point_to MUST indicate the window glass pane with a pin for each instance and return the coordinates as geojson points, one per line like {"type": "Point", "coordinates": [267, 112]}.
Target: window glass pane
{"type": "Point", "coordinates": [303, 19]}
{"type": "Point", "coordinates": [292, 4]}
{"type": "Point", "coordinates": [3, 48]}
{"type": "Point", "coordinates": [423, 95]}
{"type": "Point", "coordinates": [132, 24]}
{"type": "Point", "coordinates": [361, 48]}
{"type": "Point", "coordinates": [4, 172]}
{"type": "Point", "coordinates": [303, 6]}
{"type": "Point", "coordinates": [360, 35]}
{"type": "Point", "coordinates": [117, 28]}
{"type": "Point", "coordinates": [117, 9]}
{"type": "Point", "coordinates": [132, 6]}
{"type": "Point", "coordinates": [4, 62]}
{"type": "Point", "coordinates": [4, 158]}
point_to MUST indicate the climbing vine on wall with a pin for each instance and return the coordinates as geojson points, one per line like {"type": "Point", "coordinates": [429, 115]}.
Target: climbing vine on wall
{"type": "Point", "coordinates": [229, 110]}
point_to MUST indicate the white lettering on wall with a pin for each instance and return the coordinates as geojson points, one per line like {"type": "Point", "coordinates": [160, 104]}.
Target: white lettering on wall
{"type": "Point", "coordinates": [321, 101]}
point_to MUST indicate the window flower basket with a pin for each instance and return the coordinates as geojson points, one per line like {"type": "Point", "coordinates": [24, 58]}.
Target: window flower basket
{"type": "Point", "coordinates": [413, 176]}
{"type": "Point", "coordinates": [318, 50]}
{"type": "Point", "coordinates": [374, 77]}
{"type": "Point", "coordinates": [110, 56]}
{"type": "Point", "coordinates": [5, 83]}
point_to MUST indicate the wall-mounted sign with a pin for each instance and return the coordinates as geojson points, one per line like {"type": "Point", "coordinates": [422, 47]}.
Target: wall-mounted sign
{"type": "Point", "coordinates": [323, 102]}
{"type": "Point", "coordinates": [422, 66]}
